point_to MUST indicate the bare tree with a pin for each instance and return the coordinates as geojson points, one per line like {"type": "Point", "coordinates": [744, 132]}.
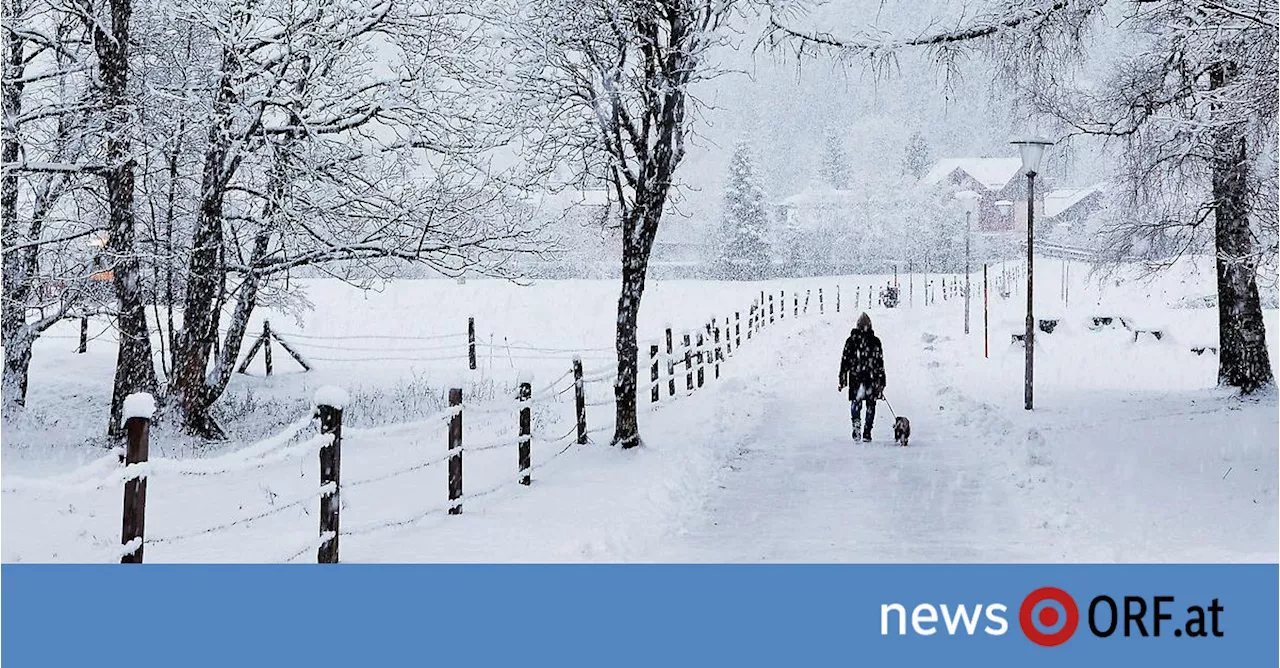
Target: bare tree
{"type": "Point", "coordinates": [47, 101]}
{"type": "Point", "coordinates": [1196, 111]}
{"type": "Point", "coordinates": [338, 133]}
{"type": "Point", "coordinates": [624, 68]}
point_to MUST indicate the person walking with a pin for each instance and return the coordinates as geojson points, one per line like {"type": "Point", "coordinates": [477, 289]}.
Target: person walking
{"type": "Point", "coordinates": [862, 372]}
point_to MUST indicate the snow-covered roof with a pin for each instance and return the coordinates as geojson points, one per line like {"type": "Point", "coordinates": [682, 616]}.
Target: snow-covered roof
{"type": "Point", "coordinates": [992, 173]}
{"type": "Point", "coordinates": [1057, 201]}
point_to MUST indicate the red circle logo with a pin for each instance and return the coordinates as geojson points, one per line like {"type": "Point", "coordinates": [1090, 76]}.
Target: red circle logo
{"type": "Point", "coordinates": [1048, 616]}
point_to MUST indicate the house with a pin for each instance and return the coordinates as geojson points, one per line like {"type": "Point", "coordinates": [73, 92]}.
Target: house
{"type": "Point", "coordinates": [824, 230]}
{"type": "Point", "coordinates": [1071, 207]}
{"type": "Point", "coordinates": [1001, 185]}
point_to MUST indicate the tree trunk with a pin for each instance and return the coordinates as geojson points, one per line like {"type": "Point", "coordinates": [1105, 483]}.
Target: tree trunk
{"type": "Point", "coordinates": [16, 286]}
{"type": "Point", "coordinates": [627, 429]}
{"type": "Point", "coordinates": [1243, 361]}
{"type": "Point", "coordinates": [637, 246]}
{"type": "Point", "coordinates": [17, 365]}
{"type": "Point", "coordinates": [135, 370]}
{"type": "Point", "coordinates": [191, 349]}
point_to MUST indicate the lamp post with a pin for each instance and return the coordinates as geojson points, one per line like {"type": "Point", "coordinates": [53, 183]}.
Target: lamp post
{"type": "Point", "coordinates": [969, 201]}
{"type": "Point", "coordinates": [1032, 151]}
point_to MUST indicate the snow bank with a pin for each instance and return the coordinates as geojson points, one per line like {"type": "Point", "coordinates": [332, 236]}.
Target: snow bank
{"type": "Point", "coordinates": [138, 405]}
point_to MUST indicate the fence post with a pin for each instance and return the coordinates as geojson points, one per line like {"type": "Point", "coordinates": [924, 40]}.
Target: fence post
{"type": "Point", "coordinates": [806, 300]}
{"type": "Point", "coordinates": [857, 296]}
{"type": "Point", "coordinates": [137, 428]}
{"type": "Point", "coordinates": [266, 344]}
{"type": "Point", "coordinates": [782, 304]}
{"type": "Point", "coordinates": [795, 304]}
{"type": "Point", "coordinates": [524, 459]}
{"type": "Point", "coordinates": [688, 364]}
{"type": "Point", "coordinates": [84, 334]}
{"type": "Point", "coordinates": [751, 320]}
{"type": "Point", "coordinates": [821, 307]}
{"type": "Point", "coordinates": [837, 298]}
{"type": "Point", "coordinates": [728, 339]}
{"type": "Point", "coordinates": [455, 447]}
{"type": "Point", "coordinates": [737, 329]}
{"type": "Point", "coordinates": [771, 308]}
{"type": "Point", "coordinates": [715, 357]}
{"type": "Point", "coordinates": [580, 400]}
{"type": "Point", "coordinates": [329, 410]}
{"type": "Point", "coordinates": [701, 359]}
{"type": "Point", "coordinates": [671, 366]}
{"type": "Point", "coordinates": [654, 389]}
{"type": "Point", "coordinates": [471, 342]}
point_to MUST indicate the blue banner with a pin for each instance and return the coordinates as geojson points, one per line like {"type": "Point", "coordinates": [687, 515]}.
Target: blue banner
{"type": "Point", "coordinates": [640, 615]}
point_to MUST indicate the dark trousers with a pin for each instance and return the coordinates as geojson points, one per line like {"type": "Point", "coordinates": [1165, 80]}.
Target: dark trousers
{"type": "Point", "coordinates": [864, 395]}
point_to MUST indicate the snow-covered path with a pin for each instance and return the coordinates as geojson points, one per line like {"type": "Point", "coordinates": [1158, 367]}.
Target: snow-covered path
{"type": "Point", "coordinates": [802, 490]}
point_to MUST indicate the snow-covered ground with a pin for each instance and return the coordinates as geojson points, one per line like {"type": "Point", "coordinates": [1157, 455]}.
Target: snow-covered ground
{"type": "Point", "coordinates": [1131, 454]}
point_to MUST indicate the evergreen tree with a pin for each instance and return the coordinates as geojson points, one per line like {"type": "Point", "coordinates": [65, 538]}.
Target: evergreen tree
{"type": "Point", "coordinates": [835, 163]}
{"type": "Point", "coordinates": [744, 226]}
{"type": "Point", "coordinates": [916, 161]}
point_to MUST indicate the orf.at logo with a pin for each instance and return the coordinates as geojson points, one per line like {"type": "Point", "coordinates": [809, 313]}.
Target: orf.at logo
{"type": "Point", "coordinates": [1048, 616]}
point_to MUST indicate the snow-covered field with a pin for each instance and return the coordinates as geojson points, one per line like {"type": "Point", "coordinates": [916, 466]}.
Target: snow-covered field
{"type": "Point", "coordinates": [1132, 453]}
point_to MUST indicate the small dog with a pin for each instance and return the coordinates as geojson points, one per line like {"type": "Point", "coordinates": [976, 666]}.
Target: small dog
{"type": "Point", "coordinates": [901, 431]}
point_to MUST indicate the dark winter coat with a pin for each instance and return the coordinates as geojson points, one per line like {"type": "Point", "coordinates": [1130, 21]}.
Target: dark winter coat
{"type": "Point", "coordinates": [862, 362]}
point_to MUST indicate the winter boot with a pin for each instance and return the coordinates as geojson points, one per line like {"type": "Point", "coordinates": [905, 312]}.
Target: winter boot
{"type": "Point", "coordinates": [857, 428]}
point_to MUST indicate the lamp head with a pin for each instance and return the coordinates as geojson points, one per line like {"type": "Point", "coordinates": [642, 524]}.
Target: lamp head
{"type": "Point", "coordinates": [1032, 152]}
{"type": "Point", "coordinates": [969, 201]}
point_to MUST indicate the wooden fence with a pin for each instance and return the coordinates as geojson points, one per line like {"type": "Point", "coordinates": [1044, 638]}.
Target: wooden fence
{"type": "Point", "coordinates": [703, 353]}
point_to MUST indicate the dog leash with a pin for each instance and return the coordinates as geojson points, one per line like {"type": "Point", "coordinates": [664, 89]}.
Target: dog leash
{"type": "Point", "coordinates": [891, 411]}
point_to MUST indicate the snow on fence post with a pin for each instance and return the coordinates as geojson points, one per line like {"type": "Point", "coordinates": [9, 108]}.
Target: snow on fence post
{"type": "Point", "coordinates": [654, 389]}
{"type": "Point", "coordinates": [701, 358]}
{"type": "Point", "coordinates": [671, 366]}
{"type": "Point", "coordinates": [837, 297]}
{"type": "Point", "coordinates": [771, 309]}
{"type": "Point", "coordinates": [84, 335]}
{"type": "Point", "coordinates": [795, 305]}
{"type": "Point", "coordinates": [821, 308]}
{"type": "Point", "coordinates": [266, 345]}
{"type": "Point", "coordinates": [580, 400]}
{"type": "Point", "coordinates": [782, 304]}
{"type": "Point", "coordinates": [455, 448]}
{"type": "Point", "coordinates": [737, 329]}
{"type": "Point", "coordinates": [329, 402]}
{"type": "Point", "coordinates": [806, 301]}
{"type": "Point", "coordinates": [471, 342]}
{"type": "Point", "coordinates": [524, 458]}
{"type": "Point", "coordinates": [138, 411]}
{"type": "Point", "coordinates": [688, 364]}
{"type": "Point", "coordinates": [857, 296]}
{"type": "Point", "coordinates": [728, 339]}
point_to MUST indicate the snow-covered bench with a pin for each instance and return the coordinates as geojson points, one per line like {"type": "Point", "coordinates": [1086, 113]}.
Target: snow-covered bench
{"type": "Point", "coordinates": [1157, 334]}
{"type": "Point", "coordinates": [1101, 322]}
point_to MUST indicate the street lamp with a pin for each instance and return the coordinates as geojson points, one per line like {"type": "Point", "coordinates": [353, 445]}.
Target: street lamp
{"type": "Point", "coordinates": [969, 201]}
{"type": "Point", "coordinates": [1032, 150]}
